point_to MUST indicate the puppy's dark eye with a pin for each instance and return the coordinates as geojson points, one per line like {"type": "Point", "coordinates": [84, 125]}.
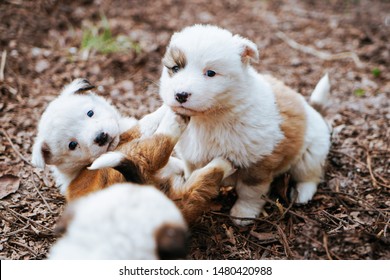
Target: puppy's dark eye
{"type": "Point", "coordinates": [175, 69]}
{"type": "Point", "coordinates": [210, 73]}
{"type": "Point", "coordinates": [90, 113]}
{"type": "Point", "coordinates": [73, 145]}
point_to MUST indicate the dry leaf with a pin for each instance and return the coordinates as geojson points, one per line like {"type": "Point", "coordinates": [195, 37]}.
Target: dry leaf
{"type": "Point", "coordinates": [262, 236]}
{"type": "Point", "coordinates": [8, 184]}
{"type": "Point", "coordinates": [230, 234]}
{"type": "Point", "coordinates": [280, 207]}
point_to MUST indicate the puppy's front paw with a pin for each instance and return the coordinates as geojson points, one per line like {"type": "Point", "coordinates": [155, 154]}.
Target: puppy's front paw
{"type": "Point", "coordinates": [172, 124]}
{"type": "Point", "coordinates": [224, 164]}
{"type": "Point", "coordinates": [242, 209]}
{"type": "Point", "coordinates": [110, 159]}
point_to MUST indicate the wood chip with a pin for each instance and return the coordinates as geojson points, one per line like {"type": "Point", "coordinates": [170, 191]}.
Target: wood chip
{"type": "Point", "coordinates": [8, 184]}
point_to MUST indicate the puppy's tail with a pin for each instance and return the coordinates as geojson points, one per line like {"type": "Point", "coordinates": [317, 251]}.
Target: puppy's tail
{"type": "Point", "coordinates": [320, 95]}
{"type": "Point", "coordinates": [129, 169]}
{"type": "Point", "coordinates": [110, 159]}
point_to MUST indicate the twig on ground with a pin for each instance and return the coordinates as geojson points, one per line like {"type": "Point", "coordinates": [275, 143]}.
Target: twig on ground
{"type": "Point", "coordinates": [14, 148]}
{"type": "Point", "coordinates": [319, 243]}
{"type": "Point", "coordinates": [2, 65]}
{"type": "Point", "coordinates": [359, 201]}
{"type": "Point", "coordinates": [259, 245]}
{"type": "Point", "coordinates": [24, 246]}
{"type": "Point", "coordinates": [18, 216]}
{"type": "Point", "coordinates": [305, 218]}
{"type": "Point", "coordinates": [385, 229]}
{"type": "Point", "coordinates": [283, 238]}
{"type": "Point", "coordinates": [5, 219]}
{"type": "Point", "coordinates": [375, 182]}
{"type": "Point", "coordinates": [16, 231]}
{"type": "Point", "coordinates": [333, 217]}
{"type": "Point", "coordinates": [284, 241]}
{"type": "Point", "coordinates": [351, 157]}
{"type": "Point", "coordinates": [39, 193]}
{"type": "Point", "coordinates": [320, 54]}
{"type": "Point", "coordinates": [325, 240]}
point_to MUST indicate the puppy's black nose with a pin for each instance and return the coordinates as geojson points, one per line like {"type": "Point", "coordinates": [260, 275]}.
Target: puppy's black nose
{"type": "Point", "coordinates": [182, 97]}
{"type": "Point", "coordinates": [101, 139]}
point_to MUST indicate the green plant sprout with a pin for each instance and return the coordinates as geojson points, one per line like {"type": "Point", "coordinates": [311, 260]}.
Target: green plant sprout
{"type": "Point", "coordinates": [100, 39]}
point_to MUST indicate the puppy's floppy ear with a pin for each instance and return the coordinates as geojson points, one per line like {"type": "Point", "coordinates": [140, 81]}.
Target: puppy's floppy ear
{"type": "Point", "coordinates": [248, 49]}
{"type": "Point", "coordinates": [41, 153]}
{"type": "Point", "coordinates": [78, 86]}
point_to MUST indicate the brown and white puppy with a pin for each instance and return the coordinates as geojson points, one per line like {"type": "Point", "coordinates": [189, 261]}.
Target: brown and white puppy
{"type": "Point", "coordinates": [122, 222]}
{"type": "Point", "coordinates": [253, 120]}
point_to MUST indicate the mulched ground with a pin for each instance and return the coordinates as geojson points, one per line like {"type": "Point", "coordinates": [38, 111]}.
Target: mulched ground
{"type": "Point", "coordinates": [349, 216]}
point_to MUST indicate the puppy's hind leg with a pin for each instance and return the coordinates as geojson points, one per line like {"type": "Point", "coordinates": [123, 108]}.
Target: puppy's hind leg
{"type": "Point", "coordinates": [249, 202]}
{"type": "Point", "coordinates": [201, 187]}
{"type": "Point", "coordinates": [307, 172]}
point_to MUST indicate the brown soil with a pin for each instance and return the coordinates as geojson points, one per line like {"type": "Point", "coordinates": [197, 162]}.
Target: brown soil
{"type": "Point", "coordinates": [349, 216]}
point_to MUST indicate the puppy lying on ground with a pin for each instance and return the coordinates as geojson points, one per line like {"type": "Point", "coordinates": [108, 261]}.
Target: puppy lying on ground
{"type": "Point", "coordinates": [79, 128]}
{"type": "Point", "coordinates": [124, 221]}
{"type": "Point", "coordinates": [253, 120]}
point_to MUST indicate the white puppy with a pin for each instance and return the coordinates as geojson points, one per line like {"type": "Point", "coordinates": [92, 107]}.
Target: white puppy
{"type": "Point", "coordinates": [78, 127]}
{"type": "Point", "coordinates": [253, 120]}
{"type": "Point", "coordinates": [124, 221]}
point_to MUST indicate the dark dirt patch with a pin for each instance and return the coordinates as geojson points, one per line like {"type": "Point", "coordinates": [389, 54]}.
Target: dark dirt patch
{"type": "Point", "coordinates": [348, 218]}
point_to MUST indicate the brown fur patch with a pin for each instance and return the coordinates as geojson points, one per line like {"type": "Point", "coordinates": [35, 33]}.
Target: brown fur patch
{"type": "Point", "coordinates": [149, 154]}
{"type": "Point", "coordinates": [92, 180]}
{"type": "Point", "coordinates": [202, 186]}
{"type": "Point", "coordinates": [171, 242]}
{"type": "Point", "coordinates": [174, 57]}
{"type": "Point", "coordinates": [293, 127]}
{"type": "Point", "coordinates": [130, 135]}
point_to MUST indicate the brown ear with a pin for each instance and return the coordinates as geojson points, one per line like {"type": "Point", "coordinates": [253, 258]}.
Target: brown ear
{"type": "Point", "coordinates": [41, 154]}
{"type": "Point", "coordinates": [248, 49]}
{"type": "Point", "coordinates": [64, 221]}
{"type": "Point", "coordinates": [171, 242]}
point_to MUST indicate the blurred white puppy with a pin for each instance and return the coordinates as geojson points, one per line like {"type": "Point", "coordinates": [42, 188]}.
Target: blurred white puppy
{"type": "Point", "coordinates": [124, 221]}
{"type": "Point", "coordinates": [253, 120]}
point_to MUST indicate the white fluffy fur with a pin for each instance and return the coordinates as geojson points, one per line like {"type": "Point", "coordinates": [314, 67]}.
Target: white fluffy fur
{"type": "Point", "coordinates": [234, 114]}
{"type": "Point", "coordinates": [119, 222]}
{"type": "Point", "coordinates": [65, 120]}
